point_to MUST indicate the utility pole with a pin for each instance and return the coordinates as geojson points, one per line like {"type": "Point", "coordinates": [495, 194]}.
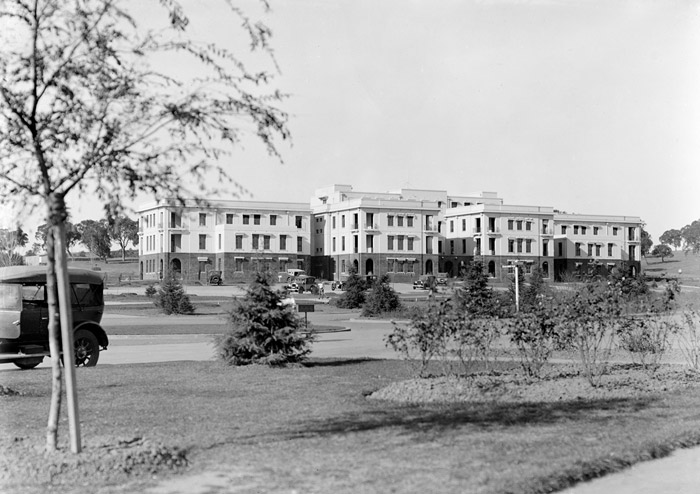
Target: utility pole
{"type": "Point", "coordinates": [514, 267]}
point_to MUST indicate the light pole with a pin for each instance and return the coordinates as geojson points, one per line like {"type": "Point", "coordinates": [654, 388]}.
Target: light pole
{"type": "Point", "coordinates": [514, 267]}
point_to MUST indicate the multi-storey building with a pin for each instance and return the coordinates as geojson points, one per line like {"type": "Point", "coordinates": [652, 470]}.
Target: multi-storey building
{"type": "Point", "coordinates": [585, 242]}
{"type": "Point", "coordinates": [397, 233]}
{"type": "Point", "coordinates": [237, 238]}
{"type": "Point", "coordinates": [404, 234]}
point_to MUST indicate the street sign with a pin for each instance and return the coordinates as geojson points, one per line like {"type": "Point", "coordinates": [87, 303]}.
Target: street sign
{"type": "Point", "coordinates": [305, 307]}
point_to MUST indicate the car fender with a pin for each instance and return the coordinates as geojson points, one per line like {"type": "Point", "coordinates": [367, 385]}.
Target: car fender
{"type": "Point", "coordinates": [95, 329]}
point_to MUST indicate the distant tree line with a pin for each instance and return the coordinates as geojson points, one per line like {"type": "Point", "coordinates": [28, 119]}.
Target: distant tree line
{"type": "Point", "coordinates": [687, 238]}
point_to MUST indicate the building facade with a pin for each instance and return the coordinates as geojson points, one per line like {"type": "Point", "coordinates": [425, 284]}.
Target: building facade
{"type": "Point", "coordinates": [404, 234]}
{"type": "Point", "coordinates": [237, 238]}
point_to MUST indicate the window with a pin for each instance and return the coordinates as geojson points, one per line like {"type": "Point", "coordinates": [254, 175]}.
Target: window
{"type": "Point", "coordinates": [297, 221]}
{"type": "Point", "coordinates": [563, 229]}
{"type": "Point", "coordinates": [256, 219]}
{"type": "Point", "coordinates": [590, 250]}
{"type": "Point", "coordinates": [519, 224]}
{"type": "Point", "coordinates": [202, 242]}
{"type": "Point", "coordinates": [409, 243]}
{"type": "Point", "coordinates": [342, 221]}
{"type": "Point", "coordinates": [597, 250]}
{"type": "Point", "coordinates": [342, 266]}
{"type": "Point", "coordinates": [520, 245]}
{"type": "Point", "coordinates": [229, 219]}
{"type": "Point", "coordinates": [202, 219]}
{"type": "Point", "coordinates": [545, 225]}
{"type": "Point", "coordinates": [464, 246]}
{"type": "Point", "coordinates": [561, 249]}
{"type": "Point", "coordinates": [283, 242]}
{"type": "Point", "coordinates": [545, 248]}
{"type": "Point", "coordinates": [246, 219]}
{"type": "Point", "coordinates": [478, 247]}
{"type": "Point", "coordinates": [578, 249]}
{"type": "Point", "coordinates": [333, 244]}
{"type": "Point", "coordinates": [300, 243]}
{"type": "Point", "coordinates": [333, 222]}
{"type": "Point", "coordinates": [452, 226]}
{"type": "Point", "coordinates": [610, 250]}
{"type": "Point", "coordinates": [528, 245]}
{"type": "Point", "coordinates": [390, 220]}
{"type": "Point", "coordinates": [390, 265]}
{"type": "Point", "coordinates": [477, 225]}
{"type": "Point", "coordinates": [575, 229]}
{"type": "Point", "coordinates": [511, 245]}
{"type": "Point", "coordinates": [256, 241]}
{"type": "Point", "coordinates": [583, 230]}
{"type": "Point", "coordinates": [273, 220]}
{"type": "Point", "coordinates": [409, 221]}
{"type": "Point", "coordinates": [342, 243]}
{"type": "Point", "coordinates": [266, 242]}
{"type": "Point", "coordinates": [219, 241]}
{"type": "Point", "coordinates": [400, 243]}
{"type": "Point", "coordinates": [439, 226]}
{"type": "Point", "coordinates": [615, 230]}
{"type": "Point", "coordinates": [595, 230]}
{"type": "Point", "coordinates": [528, 225]}
{"type": "Point", "coordinates": [510, 224]}
{"type": "Point", "coordinates": [239, 242]}
{"type": "Point", "coordinates": [390, 242]}
{"type": "Point", "coordinates": [369, 217]}
{"type": "Point", "coordinates": [399, 221]}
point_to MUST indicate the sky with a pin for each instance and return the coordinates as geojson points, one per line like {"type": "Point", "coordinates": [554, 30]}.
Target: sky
{"type": "Point", "coordinates": [589, 106]}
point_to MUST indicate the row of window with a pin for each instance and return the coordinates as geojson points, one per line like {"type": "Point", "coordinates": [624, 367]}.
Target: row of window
{"type": "Point", "coordinates": [263, 242]}
{"type": "Point", "coordinates": [391, 220]}
{"type": "Point", "coordinates": [593, 249]}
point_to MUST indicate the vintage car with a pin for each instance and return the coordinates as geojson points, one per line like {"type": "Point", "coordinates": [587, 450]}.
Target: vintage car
{"type": "Point", "coordinates": [24, 317]}
{"type": "Point", "coordinates": [425, 282]}
{"type": "Point", "coordinates": [303, 283]}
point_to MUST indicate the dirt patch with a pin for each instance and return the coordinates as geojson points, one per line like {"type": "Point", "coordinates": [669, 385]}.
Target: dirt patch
{"type": "Point", "coordinates": [112, 460]}
{"type": "Point", "coordinates": [564, 384]}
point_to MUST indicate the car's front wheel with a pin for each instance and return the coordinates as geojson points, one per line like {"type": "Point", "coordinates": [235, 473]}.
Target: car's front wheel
{"type": "Point", "coordinates": [87, 349]}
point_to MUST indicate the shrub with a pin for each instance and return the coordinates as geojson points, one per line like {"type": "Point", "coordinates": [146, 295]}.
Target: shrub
{"type": "Point", "coordinates": [354, 296]}
{"type": "Point", "coordinates": [171, 297]}
{"type": "Point", "coordinates": [262, 329]}
{"type": "Point", "coordinates": [535, 332]}
{"type": "Point", "coordinates": [382, 298]}
{"type": "Point", "coordinates": [151, 290]}
{"type": "Point", "coordinates": [689, 338]}
{"type": "Point", "coordinates": [646, 338]}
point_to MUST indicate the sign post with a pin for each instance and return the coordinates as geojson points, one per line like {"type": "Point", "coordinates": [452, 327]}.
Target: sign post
{"type": "Point", "coordinates": [306, 308]}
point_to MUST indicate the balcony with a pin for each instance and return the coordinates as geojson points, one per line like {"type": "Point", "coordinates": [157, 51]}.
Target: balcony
{"type": "Point", "coordinates": [493, 231]}
{"type": "Point", "coordinates": [430, 228]}
{"type": "Point", "coordinates": [371, 226]}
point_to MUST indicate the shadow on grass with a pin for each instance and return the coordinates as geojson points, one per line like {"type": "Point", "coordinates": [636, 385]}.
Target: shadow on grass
{"type": "Point", "coordinates": [339, 362]}
{"type": "Point", "coordinates": [483, 415]}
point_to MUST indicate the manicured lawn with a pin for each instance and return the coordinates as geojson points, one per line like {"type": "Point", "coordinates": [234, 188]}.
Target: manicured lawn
{"type": "Point", "coordinates": [312, 429]}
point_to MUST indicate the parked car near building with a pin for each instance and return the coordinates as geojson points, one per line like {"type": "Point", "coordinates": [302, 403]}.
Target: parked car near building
{"type": "Point", "coordinates": [425, 282]}
{"type": "Point", "coordinates": [24, 337]}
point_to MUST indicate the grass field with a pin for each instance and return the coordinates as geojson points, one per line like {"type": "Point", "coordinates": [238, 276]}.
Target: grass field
{"type": "Point", "coordinates": [688, 264]}
{"type": "Point", "coordinates": [312, 429]}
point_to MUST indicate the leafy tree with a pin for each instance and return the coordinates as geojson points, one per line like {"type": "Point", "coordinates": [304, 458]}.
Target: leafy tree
{"type": "Point", "coordinates": [95, 236]}
{"type": "Point", "coordinates": [171, 297]}
{"type": "Point", "coordinates": [123, 231]}
{"type": "Point", "coordinates": [381, 298]}
{"type": "Point", "coordinates": [84, 106]}
{"type": "Point", "coordinates": [646, 242]}
{"type": "Point", "coordinates": [72, 236]}
{"type": "Point", "coordinates": [10, 240]}
{"type": "Point", "coordinates": [662, 251]}
{"type": "Point", "coordinates": [691, 237]}
{"type": "Point", "coordinates": [672, 237]}
{"type": "Point", "coordinates": [263, 330]}
{"type": "Point", "coordinates": [354, 296]}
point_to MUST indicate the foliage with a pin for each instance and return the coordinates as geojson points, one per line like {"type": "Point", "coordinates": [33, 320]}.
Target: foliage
{"type": "Point", "coordinates": [263, 330]}
{"type": "Point", "coordinates": [627, 285]}
{"type": "Point", "coordinates": [475, 297]}
{"type": "Point", "coordinates": [589, 320]}
{"type": "Point", "coordinates": [689, 338]}
{"type": "Point", "coordinates": [354, 296]}
{"type": "Point", "coordinates": [151, 290]}
{"type": "Point", "coordinates": [123, 231]}
{"type": "Point", "coordinates": [382, 298]}
{"type": "Point", "coordinates": [95, 236]}
{"type": "Point", "coordinates": [671, 237]}
{"type": "Point", "coordinates": [535, 332]}
{"type": "Point", "coordinates": [10, 240]}
{"type": "Point", "coordinates": [662, 251]}
{"type": "Point", "coordinates": [72, 236]}
{"type": "Point", "coordinates": [645, 243]}
{"type": "Point", "coordinates": [646, 338]}
{"type": "Point", "coordinates": [691, 237]}
{"type": "Point", "coordinates": [171, 297]}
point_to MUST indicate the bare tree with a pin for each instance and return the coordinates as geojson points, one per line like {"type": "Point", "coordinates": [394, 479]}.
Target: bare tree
{"type": "Point", "coordinates": [83, 107]}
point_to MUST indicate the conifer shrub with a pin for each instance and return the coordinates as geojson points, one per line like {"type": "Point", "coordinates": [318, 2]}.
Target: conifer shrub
{"type": "Point", "coordinates": [171, 297]}
{"type": "Point", "coordinates": [151, 290]}
{"type": "Point", "coordinates": [263, 330]}
{"type": "Point", "coordinates": [354, 296]}
{"type": "Point", "coordinates": [381, 299]}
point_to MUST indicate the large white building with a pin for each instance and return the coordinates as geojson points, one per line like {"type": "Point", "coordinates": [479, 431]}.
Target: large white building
{"type": "Point", "coordinates": [404, 234]}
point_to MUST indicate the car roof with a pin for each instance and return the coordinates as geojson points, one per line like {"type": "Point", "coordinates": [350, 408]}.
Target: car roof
{"type": "Point", "coordinates": [37, 274]}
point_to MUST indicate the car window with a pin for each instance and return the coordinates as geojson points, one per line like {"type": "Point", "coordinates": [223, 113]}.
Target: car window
{"type": "Point", "coordinates": [10, 297]}
{"type": "Point", "coordinates": [33, 293]}
{"type": "Point", "coordinates": [86, 295]}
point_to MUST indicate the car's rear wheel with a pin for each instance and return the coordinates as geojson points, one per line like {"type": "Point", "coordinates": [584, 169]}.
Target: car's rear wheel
{"type": "Point", "coordinates": [87, 349]}
{"type": "Point", "coordinates": [28, 363]}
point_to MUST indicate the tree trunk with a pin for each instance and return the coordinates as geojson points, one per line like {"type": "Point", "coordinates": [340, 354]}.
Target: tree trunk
{"type": "Point", "coordinates": [54, 345]}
